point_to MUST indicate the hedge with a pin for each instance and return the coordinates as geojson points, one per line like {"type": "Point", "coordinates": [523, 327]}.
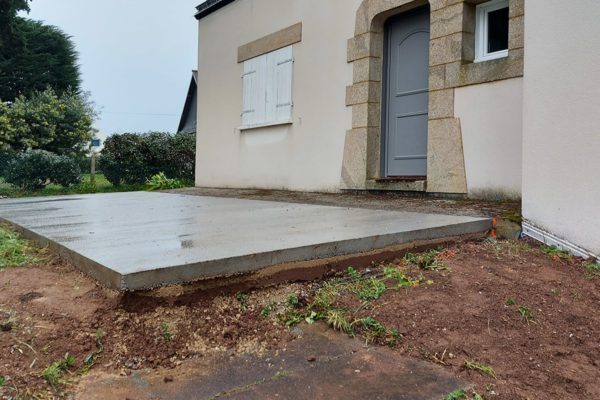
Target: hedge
{"type": "Point", "coordinates": [34, 169]}
{"type": "Point", "coordinates": [134, 158]}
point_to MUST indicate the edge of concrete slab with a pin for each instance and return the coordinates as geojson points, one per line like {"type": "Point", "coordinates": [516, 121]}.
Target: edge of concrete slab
{"type": "Point", "coordinates": [105, 275]}
{"type": "Point", "coordinates": [250, 263]}
{"type": "Point", "coordinates": [193, 272]}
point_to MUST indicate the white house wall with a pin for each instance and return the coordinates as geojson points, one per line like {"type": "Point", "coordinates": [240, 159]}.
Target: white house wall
{"type": "Point", "coordinates": [491, 120]}
{"type": "Point", "coordinates": [306, 155]}
{"type": "Point", "coordinates": [561, 120]}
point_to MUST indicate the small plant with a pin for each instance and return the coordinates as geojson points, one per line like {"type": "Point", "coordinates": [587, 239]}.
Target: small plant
{"type": "Point", "coordinates": [90, 360]}
{"type": "Point", "coordinates": [476, 366]}
{"type": "Point", "coordinates": [592, 269]}
{"type": "Point", "coordinates": [354, 274]}
{"type": "Point", "coordinates": [161, 182]}
{"type": "Point", "coordinates": [291, 317]}
{"type": "Point", "coordinates": [54, 372]}
{"type": "Point", "coordinates": [525, 313]}
{"type": "Point", "coordinates": [2, 381]}
{"type": "Point", "coordinates": [242, 298]}
{"type": "Point", "coordinates": [311, 317]}
{"type": "Point", "coordinates": [166, 332]}
{"type": "Point", "coordinates": [374, 329]}
{"type": "Point", "coordinates": [555, 253]}
{"type": "Point", "coordinates": [510, 302]}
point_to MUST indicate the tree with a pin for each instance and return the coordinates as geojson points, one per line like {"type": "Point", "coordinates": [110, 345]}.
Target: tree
{"type": "Point", "coordinates": [33, 56]}
{"type": "Point", "coordinates": [61, 124]}
{"type": "Point", "coordinates": [8, 14]}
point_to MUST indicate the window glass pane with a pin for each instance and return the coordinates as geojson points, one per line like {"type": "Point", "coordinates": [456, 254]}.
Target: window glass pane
{"type": "Point", "coordinates": [498, 30]}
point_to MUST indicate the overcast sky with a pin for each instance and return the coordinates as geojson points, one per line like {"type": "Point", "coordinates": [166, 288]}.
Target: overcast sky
{"type": "Point", "coordinates": [136, 57]}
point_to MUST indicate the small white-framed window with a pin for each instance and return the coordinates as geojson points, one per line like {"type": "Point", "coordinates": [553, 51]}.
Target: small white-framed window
{"type": "Point", "coordinates": [267, 89]}
{"type": "Point", "coordinates": [491, 30]}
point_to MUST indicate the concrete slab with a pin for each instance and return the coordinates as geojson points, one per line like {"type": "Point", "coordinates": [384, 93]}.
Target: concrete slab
{"type": "Point", "coordinates": [339, 368]}
{"type": "Point", "coordinates": [138, 240]}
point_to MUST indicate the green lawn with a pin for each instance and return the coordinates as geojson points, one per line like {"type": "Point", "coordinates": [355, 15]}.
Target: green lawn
{"type": "Point", "coordinates": [102, 186]}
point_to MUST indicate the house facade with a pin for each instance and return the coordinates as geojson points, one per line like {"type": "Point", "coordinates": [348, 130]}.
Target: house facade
{"type": "Point", "coordinates": [487, 99]}
{"type": "Point", "coordinates": [361, 94]}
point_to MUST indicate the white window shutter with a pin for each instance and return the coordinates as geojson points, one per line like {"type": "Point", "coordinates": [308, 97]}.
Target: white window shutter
{"type": "Point", "coordinates": [283, 65]}
{"type": "Point", "coordinates": [267, 88]}
{"type": "Point", "coordinates": [254, 77]}
{"type": "Point", "coordinates": [249, 89]}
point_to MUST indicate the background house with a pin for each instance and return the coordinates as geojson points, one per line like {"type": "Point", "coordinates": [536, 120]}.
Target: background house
{"type": "Point", "coordinates": [189, 115]}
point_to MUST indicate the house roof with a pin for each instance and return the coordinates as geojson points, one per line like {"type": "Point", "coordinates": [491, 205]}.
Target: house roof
{"type": "Point", "coordinates": [210, 6]}
{"type": "Point", "coordinates": [189, 106]}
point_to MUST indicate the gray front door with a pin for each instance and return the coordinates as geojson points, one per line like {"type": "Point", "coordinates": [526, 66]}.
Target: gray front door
{"type": "Point", "coordinates": [406, 88]}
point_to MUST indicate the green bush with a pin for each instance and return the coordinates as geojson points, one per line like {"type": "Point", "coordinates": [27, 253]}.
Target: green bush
{"type": "Point", "coordinates": [34, 169]}
{"type": "Point", "coordinates": [135, 158]}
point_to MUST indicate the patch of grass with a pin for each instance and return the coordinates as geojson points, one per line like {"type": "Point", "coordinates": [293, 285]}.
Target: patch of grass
{"type": "Point", "coordinates": [555, 253]}
{"type": "Point", "coordinates": [427, 260]}
{"type": "Point", "coordinates": [55, 371]}
{"type": "Point", "coordinates": [2, 381]}
{"type": "Point", "coordinates": [102, 185]}
{"type": "Point", "coordinates": [165, 330]}
{"type": "Point", "coordinates": [525, 313]}
{"type": "Point", "coordinates": [476, 366]}
{"type": "Point", "coordinates": [14, 250]}
{"type": "Point", "coordinates": [510, 302]}
{"type": "Point", "coordinates": [592, 269]}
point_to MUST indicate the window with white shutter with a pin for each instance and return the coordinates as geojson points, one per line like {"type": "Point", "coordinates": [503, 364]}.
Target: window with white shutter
{"type": "Point", "coordinates": [267, 88]}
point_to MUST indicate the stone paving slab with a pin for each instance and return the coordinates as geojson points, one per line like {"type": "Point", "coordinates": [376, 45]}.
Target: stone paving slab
{"type": "Point", "coordinates": [341, 368]}
{"type": "Point", "coordinates": [139, 240]}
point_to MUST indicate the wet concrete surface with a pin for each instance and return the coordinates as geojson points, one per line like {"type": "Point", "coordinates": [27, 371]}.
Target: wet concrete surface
{"type": "Point", "coordinates": [321, 365]}
{"type": "Point", "coordinates": [139, 240]}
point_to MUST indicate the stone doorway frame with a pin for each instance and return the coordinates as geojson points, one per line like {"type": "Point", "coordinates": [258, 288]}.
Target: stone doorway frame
{"type": "Point", "coordinates": [451, 54]}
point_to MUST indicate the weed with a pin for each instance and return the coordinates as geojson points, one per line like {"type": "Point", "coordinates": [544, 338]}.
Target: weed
{"type": "Point", "coordinates": [90, 360]}
{"type": "Point", "coordinates": [337, 320]}
{"type": "Point", "coordinates": [458, 394]}
{"type": "Point", "coordinates": [592, 269]}
{"type": "Point", "coordinates": [510, 302]}
{"type": "Point", "coordinates": [326, 296]}
{"type": "Point", "coordinates": [242, 298]}
{"type": "Point", "coordinates": [268, 309]}
{"type": "Point", "coordinates": [2, 381]}
{"type": "Point", "coordinates": [14, 250]}
{"type": "Point", "coordinates": [554, 292]}
{"type": "Point", "coordinates": [369, 289]}
{"type": "Point", "coordinates": [166, 332]}
{"type": "Point", "coordinates": [555, 253]}
{"type": "Point", "coordinates": [354, 274]}
{"type": "Point", "coordinates": [292, 301]}
{"type": "Point", "coordinates": [54, 372]}
{"type": "Point", "coordinates": [476, 366]}
{"type": "Point", "coordinates": [525, 313]}
{"type": "Point", "coordinates": [373, 326]}
{"type": "Point", "coordinates": [427, 260]}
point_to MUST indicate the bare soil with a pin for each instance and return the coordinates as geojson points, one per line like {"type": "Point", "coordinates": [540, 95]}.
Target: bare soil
{"type": "Point", "coordinates": [464, 314]}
